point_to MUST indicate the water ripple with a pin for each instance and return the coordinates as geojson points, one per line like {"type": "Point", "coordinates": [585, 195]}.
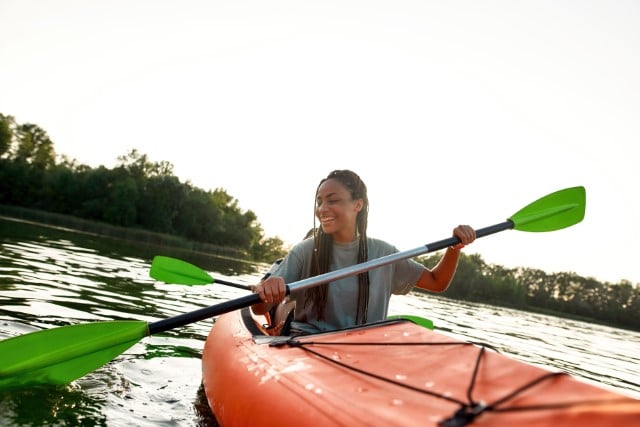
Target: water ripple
{"type": "Point", "coordinates": [57, 281]}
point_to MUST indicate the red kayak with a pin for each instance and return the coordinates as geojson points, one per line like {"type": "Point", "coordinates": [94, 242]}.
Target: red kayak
{"type": "Point", "coordinates": [391, 373]}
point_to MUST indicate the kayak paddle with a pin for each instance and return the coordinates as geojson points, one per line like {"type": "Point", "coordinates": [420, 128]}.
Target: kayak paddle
{"type": "Point", "coordinates": [61, 355]}
{"type": "Point", "coordinates": [172, 270]}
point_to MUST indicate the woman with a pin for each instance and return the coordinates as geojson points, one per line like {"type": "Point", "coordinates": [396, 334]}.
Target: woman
{"type": "Point", "coordinates": [341, 241]}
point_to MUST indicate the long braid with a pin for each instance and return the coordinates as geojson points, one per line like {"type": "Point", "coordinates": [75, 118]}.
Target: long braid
{"type": "Point", "coordinates": [323, 245]}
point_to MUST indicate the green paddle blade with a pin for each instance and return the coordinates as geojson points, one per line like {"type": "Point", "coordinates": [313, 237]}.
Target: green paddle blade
{"type": "Point", "coordinates": [172, 270]}
{"type": "Point", "coordinates": [420, 321]}
{"type": "Point", "coordinates": [554, 211]}
{"type": "Point", "coordinates": [60, 355]}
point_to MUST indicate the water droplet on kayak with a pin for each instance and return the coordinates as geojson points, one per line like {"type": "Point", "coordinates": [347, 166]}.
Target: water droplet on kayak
{"type": "Point", "coordinates": [429, 384]}
{"type": "Point", "coordinates": [335, 356]}
{"type": "Point", "coordinates": [401, 377]}
{"type": "Point", "coordinates": [397, 402]}
{"type": "Point", "coordinates": [311, 387]}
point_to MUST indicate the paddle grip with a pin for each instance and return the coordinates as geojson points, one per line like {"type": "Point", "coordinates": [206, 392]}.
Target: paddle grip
{"type": "Point", "coordinates": [481, 232]}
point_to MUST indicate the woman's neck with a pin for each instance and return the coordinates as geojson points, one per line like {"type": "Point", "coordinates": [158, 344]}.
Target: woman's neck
{"type": "Point", "coordinates": [345, 237]}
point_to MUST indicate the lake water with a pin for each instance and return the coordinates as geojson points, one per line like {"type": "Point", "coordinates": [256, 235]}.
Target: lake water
{"type": "Point", "coordinates": [53, 277]}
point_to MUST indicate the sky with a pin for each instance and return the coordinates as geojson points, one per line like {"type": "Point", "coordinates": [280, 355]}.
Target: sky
{"type": "Point", "coordinates": [452, 112]}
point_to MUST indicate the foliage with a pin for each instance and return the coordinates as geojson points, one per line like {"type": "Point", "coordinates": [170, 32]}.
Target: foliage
{"type": "Point", "coordinates": [137, 193]}
{"type": "Point", "coordinates": [6, 133]}
{"type": "Point", "coordinates": [532, 289]}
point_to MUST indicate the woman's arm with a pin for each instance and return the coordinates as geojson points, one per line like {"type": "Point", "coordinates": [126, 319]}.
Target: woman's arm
{"type": "Point", "coordinates": [439, 278]}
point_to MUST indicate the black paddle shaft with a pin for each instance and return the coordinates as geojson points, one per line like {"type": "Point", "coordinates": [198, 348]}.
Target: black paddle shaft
{"type": "Point", "coordinates": [249, 300]}
{"type": "Point", "coordinates": [203, 313]}
{"type": "Point", "coordinates": [451, 241]}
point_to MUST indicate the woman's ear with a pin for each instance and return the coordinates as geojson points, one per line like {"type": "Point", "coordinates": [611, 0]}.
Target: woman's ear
{"type": "Point", "coordinates": [359, 205]}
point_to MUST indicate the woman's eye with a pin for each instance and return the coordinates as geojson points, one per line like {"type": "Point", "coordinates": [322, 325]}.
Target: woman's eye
{"type": "Point", "coordinates": [329, 202]}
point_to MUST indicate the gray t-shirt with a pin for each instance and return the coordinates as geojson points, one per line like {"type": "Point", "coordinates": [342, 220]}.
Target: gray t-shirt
{"type": "Point", "coordinates": [342, 299]}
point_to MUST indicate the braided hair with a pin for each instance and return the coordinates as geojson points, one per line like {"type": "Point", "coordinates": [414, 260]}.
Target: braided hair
{"type": "Point", "coordinates": [323, 247]}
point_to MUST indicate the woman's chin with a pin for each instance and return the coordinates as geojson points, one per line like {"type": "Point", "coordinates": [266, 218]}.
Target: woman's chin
{"type": "Point", "coordinates": [328, 229]}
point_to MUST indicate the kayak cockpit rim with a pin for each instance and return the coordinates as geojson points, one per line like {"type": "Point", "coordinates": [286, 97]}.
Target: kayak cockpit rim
{"type": "Point", "coordinates": [260, 338]}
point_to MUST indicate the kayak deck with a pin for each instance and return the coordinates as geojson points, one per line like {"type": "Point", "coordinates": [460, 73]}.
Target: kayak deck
{"type": "Point", "coordinates": [390, 373]}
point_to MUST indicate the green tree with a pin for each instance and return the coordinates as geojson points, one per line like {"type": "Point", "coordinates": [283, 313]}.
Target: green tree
{"type": "Point", "coordinates": [617, 300]}
{"type": "Point", "coordinates": [121, 202]}
{"type": "Point", "coordinates": [34, 147]}
{"type": "Point", "coordinates": [93, 195]}
{"type": "Point", "coordinates": [233, 227]}
{"type": "Point", "coordinates": [505, 287]}
{"type": "Point", "coordinates": [59, 190]}
{"type": "Point", "coordinates": [269, 248]}
{"type": "Point", "coordinates": [537, 285]}
{"type": "Point", "coordinates": [160, 203]}
{"type": "Point", "coordinates": [6, 133]}
{"type": "Point", "coordinates": [194, 218]}
{"type": "Point", "coordinates": [14, 183]}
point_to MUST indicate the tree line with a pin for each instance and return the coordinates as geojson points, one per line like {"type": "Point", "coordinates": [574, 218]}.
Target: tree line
{"type": "Point", "coordinates": [138, 193]}
{"type": "Point", "coordinates": [135, 193]}
{"type": "Point", "coordinates": [530, 289]}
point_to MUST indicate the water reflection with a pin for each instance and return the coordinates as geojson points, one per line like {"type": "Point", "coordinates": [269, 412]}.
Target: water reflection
{"type": "Point", "coordinates": [51, 406]}
{"type": "Point", "coordinates": [59, 278]}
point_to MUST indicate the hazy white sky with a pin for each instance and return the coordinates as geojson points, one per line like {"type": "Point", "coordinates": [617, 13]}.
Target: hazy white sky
{"type": "Point", "coordinates": [451, 111]}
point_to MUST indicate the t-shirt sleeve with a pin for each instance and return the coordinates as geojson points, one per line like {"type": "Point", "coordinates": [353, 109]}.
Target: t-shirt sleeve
{"type": "Point", "coordinates": [403, 274]}
{"type": "Point", "coordinates": [296, 264]}
{"type": "Point", "coordinates": [406, 275]}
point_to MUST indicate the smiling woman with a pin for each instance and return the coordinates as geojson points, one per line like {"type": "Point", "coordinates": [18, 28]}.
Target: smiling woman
{"type": "Point", "coordinates": [341, 241]}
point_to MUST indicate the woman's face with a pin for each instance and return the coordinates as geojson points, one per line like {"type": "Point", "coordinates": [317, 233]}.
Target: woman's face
{"type": "Point", "coordinates": [336, 211]}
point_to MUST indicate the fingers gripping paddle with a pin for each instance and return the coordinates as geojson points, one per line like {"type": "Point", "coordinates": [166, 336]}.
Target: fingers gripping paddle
{"type": "Point", "coordinates": [172, 270]}
{"type": "Point", "coordinates": [61, 355]}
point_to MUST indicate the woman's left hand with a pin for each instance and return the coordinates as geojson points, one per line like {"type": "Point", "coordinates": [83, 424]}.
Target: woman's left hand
{"type": "Point", "coordinates": [465, 233]}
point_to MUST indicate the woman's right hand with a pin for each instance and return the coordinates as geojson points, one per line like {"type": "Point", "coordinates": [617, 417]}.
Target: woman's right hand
{"type": "Point", "coordinates": [271, 290]}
